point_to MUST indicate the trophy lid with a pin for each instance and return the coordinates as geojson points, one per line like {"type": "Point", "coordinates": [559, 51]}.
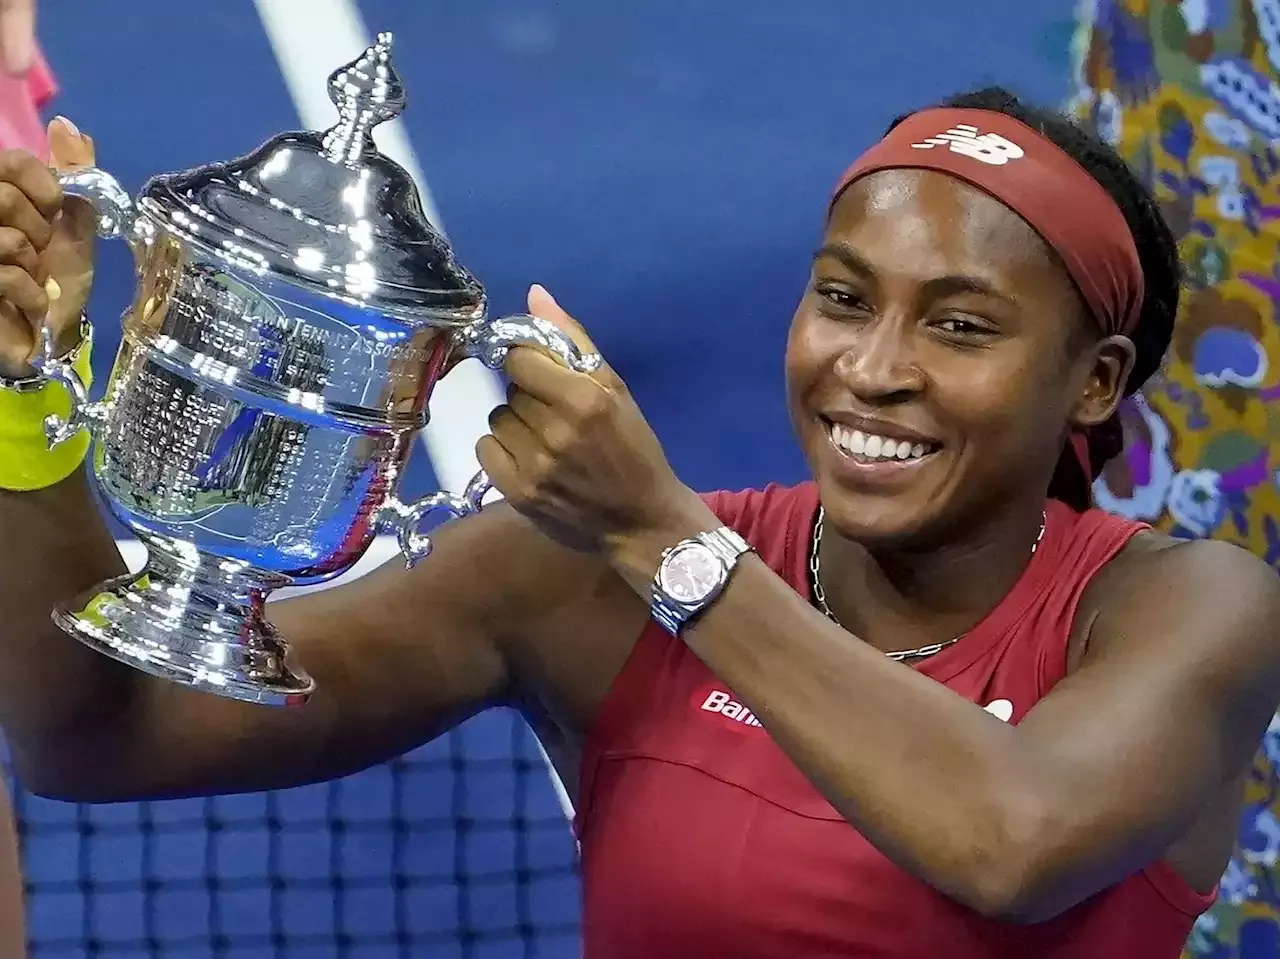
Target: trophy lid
{"type": "Point", "coordinates": [327, 211]}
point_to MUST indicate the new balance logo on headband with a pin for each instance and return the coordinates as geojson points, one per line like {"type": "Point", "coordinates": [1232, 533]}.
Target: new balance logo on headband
{"type": "Point", "coordinates": [964, 139]}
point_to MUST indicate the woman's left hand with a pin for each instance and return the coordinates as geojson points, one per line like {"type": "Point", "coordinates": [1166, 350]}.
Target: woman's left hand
{"type": "Point", "coordinates": [572, 452]}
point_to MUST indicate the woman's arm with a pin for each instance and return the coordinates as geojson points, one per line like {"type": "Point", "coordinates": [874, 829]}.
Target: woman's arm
{"type": "Point", "coordinates": [1180, 679]}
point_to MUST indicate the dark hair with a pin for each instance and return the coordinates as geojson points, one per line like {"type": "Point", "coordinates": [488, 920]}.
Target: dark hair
{"type": "Point", "coordinates": [1157, 253]}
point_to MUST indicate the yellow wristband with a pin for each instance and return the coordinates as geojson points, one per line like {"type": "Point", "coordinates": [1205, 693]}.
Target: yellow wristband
{"type": "Point", "coordinates": [26, 462]}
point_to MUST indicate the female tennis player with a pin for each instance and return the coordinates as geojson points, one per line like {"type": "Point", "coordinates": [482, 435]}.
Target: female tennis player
{"type": "Point", "coordinates": [930, 697]}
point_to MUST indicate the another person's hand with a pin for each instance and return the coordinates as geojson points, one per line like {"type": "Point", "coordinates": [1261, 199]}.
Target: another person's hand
{"type": "Point", "coordinates": [17, 34]}
{"type": "Point", "coordinates": [42, 237]}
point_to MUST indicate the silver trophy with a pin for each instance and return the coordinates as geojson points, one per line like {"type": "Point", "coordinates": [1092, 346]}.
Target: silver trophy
{"type": "Point", "coordinates": [294, 310]}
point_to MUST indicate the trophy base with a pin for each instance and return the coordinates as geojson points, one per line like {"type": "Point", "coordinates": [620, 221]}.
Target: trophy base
{"type": "Point", "coordinates": [193, 621]}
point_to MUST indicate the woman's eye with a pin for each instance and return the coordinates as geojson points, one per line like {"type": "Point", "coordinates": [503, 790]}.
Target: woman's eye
{"type": "Point", "coordinates": [838, 296]}
{"type": "Point", "coordinates": [963, 326]}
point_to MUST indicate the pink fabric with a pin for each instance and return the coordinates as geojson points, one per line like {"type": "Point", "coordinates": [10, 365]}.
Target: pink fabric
{"type": "Point", "coordinates": [21, 100]}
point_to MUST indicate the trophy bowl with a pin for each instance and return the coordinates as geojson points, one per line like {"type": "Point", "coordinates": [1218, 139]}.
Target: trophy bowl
{"type": "Point", "coordinates": [294, 309]}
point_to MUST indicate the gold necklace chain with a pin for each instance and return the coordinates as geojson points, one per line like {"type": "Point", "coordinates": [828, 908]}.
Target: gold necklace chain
{"type": "Point", "coordinates": [820, 595]}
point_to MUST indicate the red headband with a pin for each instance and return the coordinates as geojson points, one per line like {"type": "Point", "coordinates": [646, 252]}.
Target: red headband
{"type": "Point", "coordinates": [1037, 180]}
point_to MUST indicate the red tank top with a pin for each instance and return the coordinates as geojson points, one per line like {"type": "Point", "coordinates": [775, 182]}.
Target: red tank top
{"type": "Point", "coordinates": [700, 838]}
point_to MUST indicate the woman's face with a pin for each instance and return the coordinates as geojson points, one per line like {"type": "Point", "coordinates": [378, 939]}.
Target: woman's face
{"type": "Point", "coordinates": [937, 359]}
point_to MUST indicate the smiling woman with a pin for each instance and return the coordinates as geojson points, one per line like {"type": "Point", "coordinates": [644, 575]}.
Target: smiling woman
{"type": "Point", "coordinates": [991, 282]}
{"type": "Point", "coordinates": [1039, 263]}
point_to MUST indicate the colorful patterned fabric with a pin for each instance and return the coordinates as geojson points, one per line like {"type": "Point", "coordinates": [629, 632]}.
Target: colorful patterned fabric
{"type": "Point", "coordinates": [1188, 93]}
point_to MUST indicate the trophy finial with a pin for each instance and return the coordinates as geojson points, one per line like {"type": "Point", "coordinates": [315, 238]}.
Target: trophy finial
{"type": "Point", "coordinates": [367, 91]}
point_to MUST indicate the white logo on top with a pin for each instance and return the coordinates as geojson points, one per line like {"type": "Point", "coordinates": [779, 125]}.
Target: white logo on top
{"type": "Point", "coordinates": [964, 139]}
{"type": "Point", "coordinates": [1001, 709]}
{"type": "Point", "coordinates": [724, 704]}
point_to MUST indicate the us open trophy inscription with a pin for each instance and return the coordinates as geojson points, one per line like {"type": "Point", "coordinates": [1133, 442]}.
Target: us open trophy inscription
{"type": "Point", "coordinates": [294, 310]}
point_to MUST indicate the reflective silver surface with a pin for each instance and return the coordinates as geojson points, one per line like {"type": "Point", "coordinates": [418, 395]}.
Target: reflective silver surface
{"type": "Point", "coordinates": [294, 310]}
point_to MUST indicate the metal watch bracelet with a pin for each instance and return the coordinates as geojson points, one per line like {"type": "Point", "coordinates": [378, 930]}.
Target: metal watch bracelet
{"type": "Point", "coordinates": [727, 543]}
{"type": "Point", "coordinates": [727, 546]}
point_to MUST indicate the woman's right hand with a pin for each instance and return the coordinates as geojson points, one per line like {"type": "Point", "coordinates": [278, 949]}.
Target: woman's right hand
{"type": "Point", "coordinates": [43, 235]}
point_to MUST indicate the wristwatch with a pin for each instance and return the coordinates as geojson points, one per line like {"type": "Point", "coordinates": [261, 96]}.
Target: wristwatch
{"type": "Point", "coordinates": [692, 574]}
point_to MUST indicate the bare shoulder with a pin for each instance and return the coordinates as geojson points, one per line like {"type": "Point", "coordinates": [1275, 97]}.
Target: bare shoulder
{"type": "Point", "coordinates": [1174, 676]}
{"type": "Point", "coordinates": [1154, 560]}
{"type": "Point", "coordinates": [1206, 595]}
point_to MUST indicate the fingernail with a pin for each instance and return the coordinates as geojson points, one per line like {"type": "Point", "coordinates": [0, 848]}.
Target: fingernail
{"type": "Point", "coordinates": [66, 122]}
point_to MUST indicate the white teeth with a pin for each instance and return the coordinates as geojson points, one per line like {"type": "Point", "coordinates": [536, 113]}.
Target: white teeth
{"type": "Point", "coordinates": [870, 446]}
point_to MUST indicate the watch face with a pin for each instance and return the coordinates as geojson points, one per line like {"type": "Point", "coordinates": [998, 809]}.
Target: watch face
{"type": "Point", "coordinates": [691, 573]}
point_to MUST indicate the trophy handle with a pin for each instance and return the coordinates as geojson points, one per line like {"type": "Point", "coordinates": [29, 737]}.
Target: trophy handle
{"type": "Point", "coordinates": [117, 214]}
{"type": "Point", "coordinates": [490, 340]}
{"type": "Point", "coordinates": [83, 415]}
{"type": "Point", "coordinates": [406, 519]}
